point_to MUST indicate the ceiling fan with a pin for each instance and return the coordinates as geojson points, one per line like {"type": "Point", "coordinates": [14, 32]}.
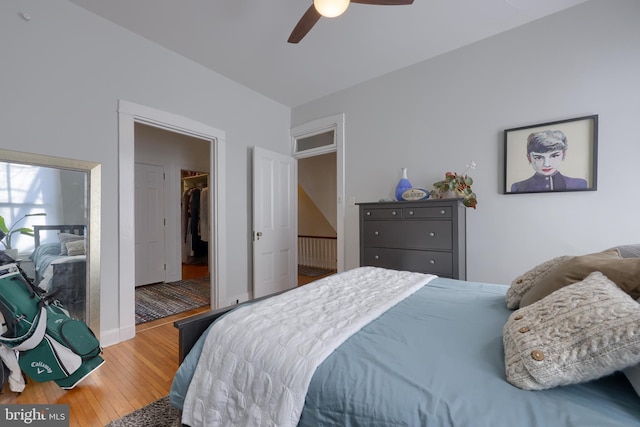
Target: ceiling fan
{"type": "Point", "coordinates": [331, 9]}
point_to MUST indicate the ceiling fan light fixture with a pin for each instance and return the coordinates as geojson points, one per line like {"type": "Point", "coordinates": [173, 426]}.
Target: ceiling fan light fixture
{"type": "Point", "coordinates": [331, 8]}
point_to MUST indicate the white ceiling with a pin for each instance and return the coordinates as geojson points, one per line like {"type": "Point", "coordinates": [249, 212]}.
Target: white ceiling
{"type": "Point", "coordinates": [246, 40]}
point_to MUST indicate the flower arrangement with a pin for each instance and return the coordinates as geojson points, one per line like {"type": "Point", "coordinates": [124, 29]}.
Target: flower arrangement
{"type": "Point", "coordinates": [456, 185]}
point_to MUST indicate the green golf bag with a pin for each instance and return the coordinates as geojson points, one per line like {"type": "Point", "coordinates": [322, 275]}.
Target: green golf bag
{"type": "Point", "coordinates": [51, 346]}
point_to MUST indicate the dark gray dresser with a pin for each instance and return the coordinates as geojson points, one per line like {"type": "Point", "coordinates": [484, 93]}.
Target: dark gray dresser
{"type": "Point", "coordinates": [426, 237]}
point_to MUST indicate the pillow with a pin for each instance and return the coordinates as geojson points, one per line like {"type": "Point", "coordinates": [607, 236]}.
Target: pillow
{"type": "Point", "coordinates": [579, 333]}
{"type": "Point", "coordinates": [629, 251]}
{"type": "Point", "coordinates": [67, 237]}
{"type": "Point", "coordinates": [625, 272]}
{"type": "Point", "coordinates": [523, 283]}
{"type": "Point", "coordinates": [75, 247]}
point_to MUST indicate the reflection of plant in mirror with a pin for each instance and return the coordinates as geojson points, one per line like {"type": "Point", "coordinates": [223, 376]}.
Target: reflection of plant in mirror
{"type": "Point", "coordinates": [7, 232]}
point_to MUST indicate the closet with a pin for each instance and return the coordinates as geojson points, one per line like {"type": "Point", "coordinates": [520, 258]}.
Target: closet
{"type": "Point", "coordinates": [195, 225]}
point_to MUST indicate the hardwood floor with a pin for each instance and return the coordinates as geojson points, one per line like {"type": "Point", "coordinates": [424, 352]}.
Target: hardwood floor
{"type": "Point", "coordinates": [303, 280]}
{"type": "Point", "coordinates": [136, 373]}
{"type": "Point", "coordinates": [192, 271]}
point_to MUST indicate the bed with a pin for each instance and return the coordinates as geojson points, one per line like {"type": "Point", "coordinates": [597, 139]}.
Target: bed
{"type": "Point", "coordinates": [446, 353]}
{"type": "Point", "coordinates": [60, 264]}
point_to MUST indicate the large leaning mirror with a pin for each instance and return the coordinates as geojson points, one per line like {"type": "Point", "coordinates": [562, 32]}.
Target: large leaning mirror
{"type": "Point", "coordinates": [58, 201]}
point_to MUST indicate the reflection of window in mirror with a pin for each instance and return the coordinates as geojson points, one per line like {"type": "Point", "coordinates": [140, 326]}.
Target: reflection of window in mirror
{"type": "Point", "coordinates": [60, 194]}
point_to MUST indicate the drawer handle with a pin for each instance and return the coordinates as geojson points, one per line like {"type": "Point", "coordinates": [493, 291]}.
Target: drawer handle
{"type": "Point", "coordinates": [432, 234]}
{"type": "Point", "coordinates": [442, 212]}
{"type": "Point", "coordinates": [410, 212]}
{"type": "Point", "coordinates": [368, 213]}
{"type": "Point", "coordinates": [377, 257]}
{"type": "Point", "coordinates": [376, 233]}
{"type": "Point", "coordinates": [432, 261]}
{"type": "Point", "coordinates": [394, 213]}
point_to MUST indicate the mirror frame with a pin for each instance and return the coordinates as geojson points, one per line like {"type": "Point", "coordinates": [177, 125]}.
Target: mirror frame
{"type": "Point", "coordinates": [93, 171]}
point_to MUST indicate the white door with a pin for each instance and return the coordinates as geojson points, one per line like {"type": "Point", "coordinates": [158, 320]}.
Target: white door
{"type": "Point", "coordinates": [275, 222]}
{"type": "Point", "coordinates": [149, 226]}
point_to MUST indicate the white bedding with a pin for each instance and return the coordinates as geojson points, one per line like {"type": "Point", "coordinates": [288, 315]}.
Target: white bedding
{"type": "Point", "coordinates": [253, 373]}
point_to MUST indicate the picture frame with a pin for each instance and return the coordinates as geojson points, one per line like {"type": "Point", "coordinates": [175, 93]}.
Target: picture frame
{"type": "Point", "coordinates": [552, 157]}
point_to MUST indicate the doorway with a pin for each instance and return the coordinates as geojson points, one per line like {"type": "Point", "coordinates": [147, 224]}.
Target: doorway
{"type": "Point", "coordinates": [317, 218]}
{"type": "Point", "coordinates": [319, 148]}
{"type": "Point", "coordinates": [129, 115]}
{"type": "Point", "coordinates": [195, 223]}
{"type": "Point", "coordinates": [171, 216]}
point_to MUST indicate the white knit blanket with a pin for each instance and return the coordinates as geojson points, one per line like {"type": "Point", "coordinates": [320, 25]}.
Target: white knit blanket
{"type": "Point", "coordinates": [258, 360]}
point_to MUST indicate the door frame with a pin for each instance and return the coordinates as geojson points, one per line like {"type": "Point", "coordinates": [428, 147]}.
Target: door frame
{"type": "Point", "coordinates": [335, 123]}
{"type": "Point", "coordinates": [129, 114]}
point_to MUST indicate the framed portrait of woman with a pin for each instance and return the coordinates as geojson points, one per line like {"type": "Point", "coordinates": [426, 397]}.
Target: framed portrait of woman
{"type": "Point", "coordinates": [552, 157]}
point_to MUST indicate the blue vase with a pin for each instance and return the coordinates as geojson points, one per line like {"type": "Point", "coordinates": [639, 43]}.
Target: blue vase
{"type": "Point", "coordinates": [403, 185]}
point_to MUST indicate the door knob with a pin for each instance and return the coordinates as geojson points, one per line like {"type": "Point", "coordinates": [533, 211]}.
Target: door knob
{"type": "Point", "coordinates": [258, 235]}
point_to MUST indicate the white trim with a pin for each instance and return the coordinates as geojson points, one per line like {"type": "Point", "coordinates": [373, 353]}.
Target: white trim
{"type": "Point", "coordinates": [336, 123]}
{"type": "Point", "coordinates": [129, 114]}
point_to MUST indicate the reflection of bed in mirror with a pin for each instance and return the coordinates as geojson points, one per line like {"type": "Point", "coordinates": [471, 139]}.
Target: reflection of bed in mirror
{"type": "Point", "coordinates": [61, 265]}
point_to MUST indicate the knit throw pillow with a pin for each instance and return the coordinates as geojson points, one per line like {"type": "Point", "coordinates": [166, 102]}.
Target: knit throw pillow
{"type": "Point", "coordinates": [578, 333]}
{"type": "Point", "coordinates": [523, 283]}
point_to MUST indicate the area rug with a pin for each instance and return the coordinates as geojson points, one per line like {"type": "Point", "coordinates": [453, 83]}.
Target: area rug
{"type": "Point", "coordinates": [156, 414]}
{"type": "Point", "coordinates": [166, 299]}
{"type": "Point", "coordinates": [305, 270]}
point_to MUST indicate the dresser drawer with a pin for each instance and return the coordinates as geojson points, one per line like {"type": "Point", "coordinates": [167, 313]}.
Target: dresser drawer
{"type": "Point", "coordinates": [382, 213]}
{"type": "Point", "coordinates": [439, 263]}
{"type": "Point", "coordinates": [424, 212]}
{"type": "Point", "coordinates": [407, 213]}
{"type": "Point", "coordinates": [408, 234]}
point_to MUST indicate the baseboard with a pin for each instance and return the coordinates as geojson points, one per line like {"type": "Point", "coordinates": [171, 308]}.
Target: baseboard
{"type": "Point", "coordinates": [115, 336]}
{"type": "Point", "coordinates": [237, 299]}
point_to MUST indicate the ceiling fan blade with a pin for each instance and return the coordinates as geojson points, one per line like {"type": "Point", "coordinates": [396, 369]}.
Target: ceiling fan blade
{"type": "Point", "coordinates": [384, 2]}
{"type": "Point", "coordinates": [306, 23]}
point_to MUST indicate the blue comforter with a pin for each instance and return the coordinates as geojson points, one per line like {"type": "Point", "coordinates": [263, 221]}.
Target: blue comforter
{"type": "Point", "coordinates": [436, 359]}
{"type": "Point", "coordinates": [44, 254]}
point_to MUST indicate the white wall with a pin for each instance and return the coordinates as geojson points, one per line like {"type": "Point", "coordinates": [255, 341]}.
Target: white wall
{"type": "Point", "coordinates": [440, 114]}
{"type": "Point", "coordinates": [63, 73]}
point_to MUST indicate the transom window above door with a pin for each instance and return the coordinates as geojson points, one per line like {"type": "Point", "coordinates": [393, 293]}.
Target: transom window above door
{"type": "Point", "coordinates": [315, 143]}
